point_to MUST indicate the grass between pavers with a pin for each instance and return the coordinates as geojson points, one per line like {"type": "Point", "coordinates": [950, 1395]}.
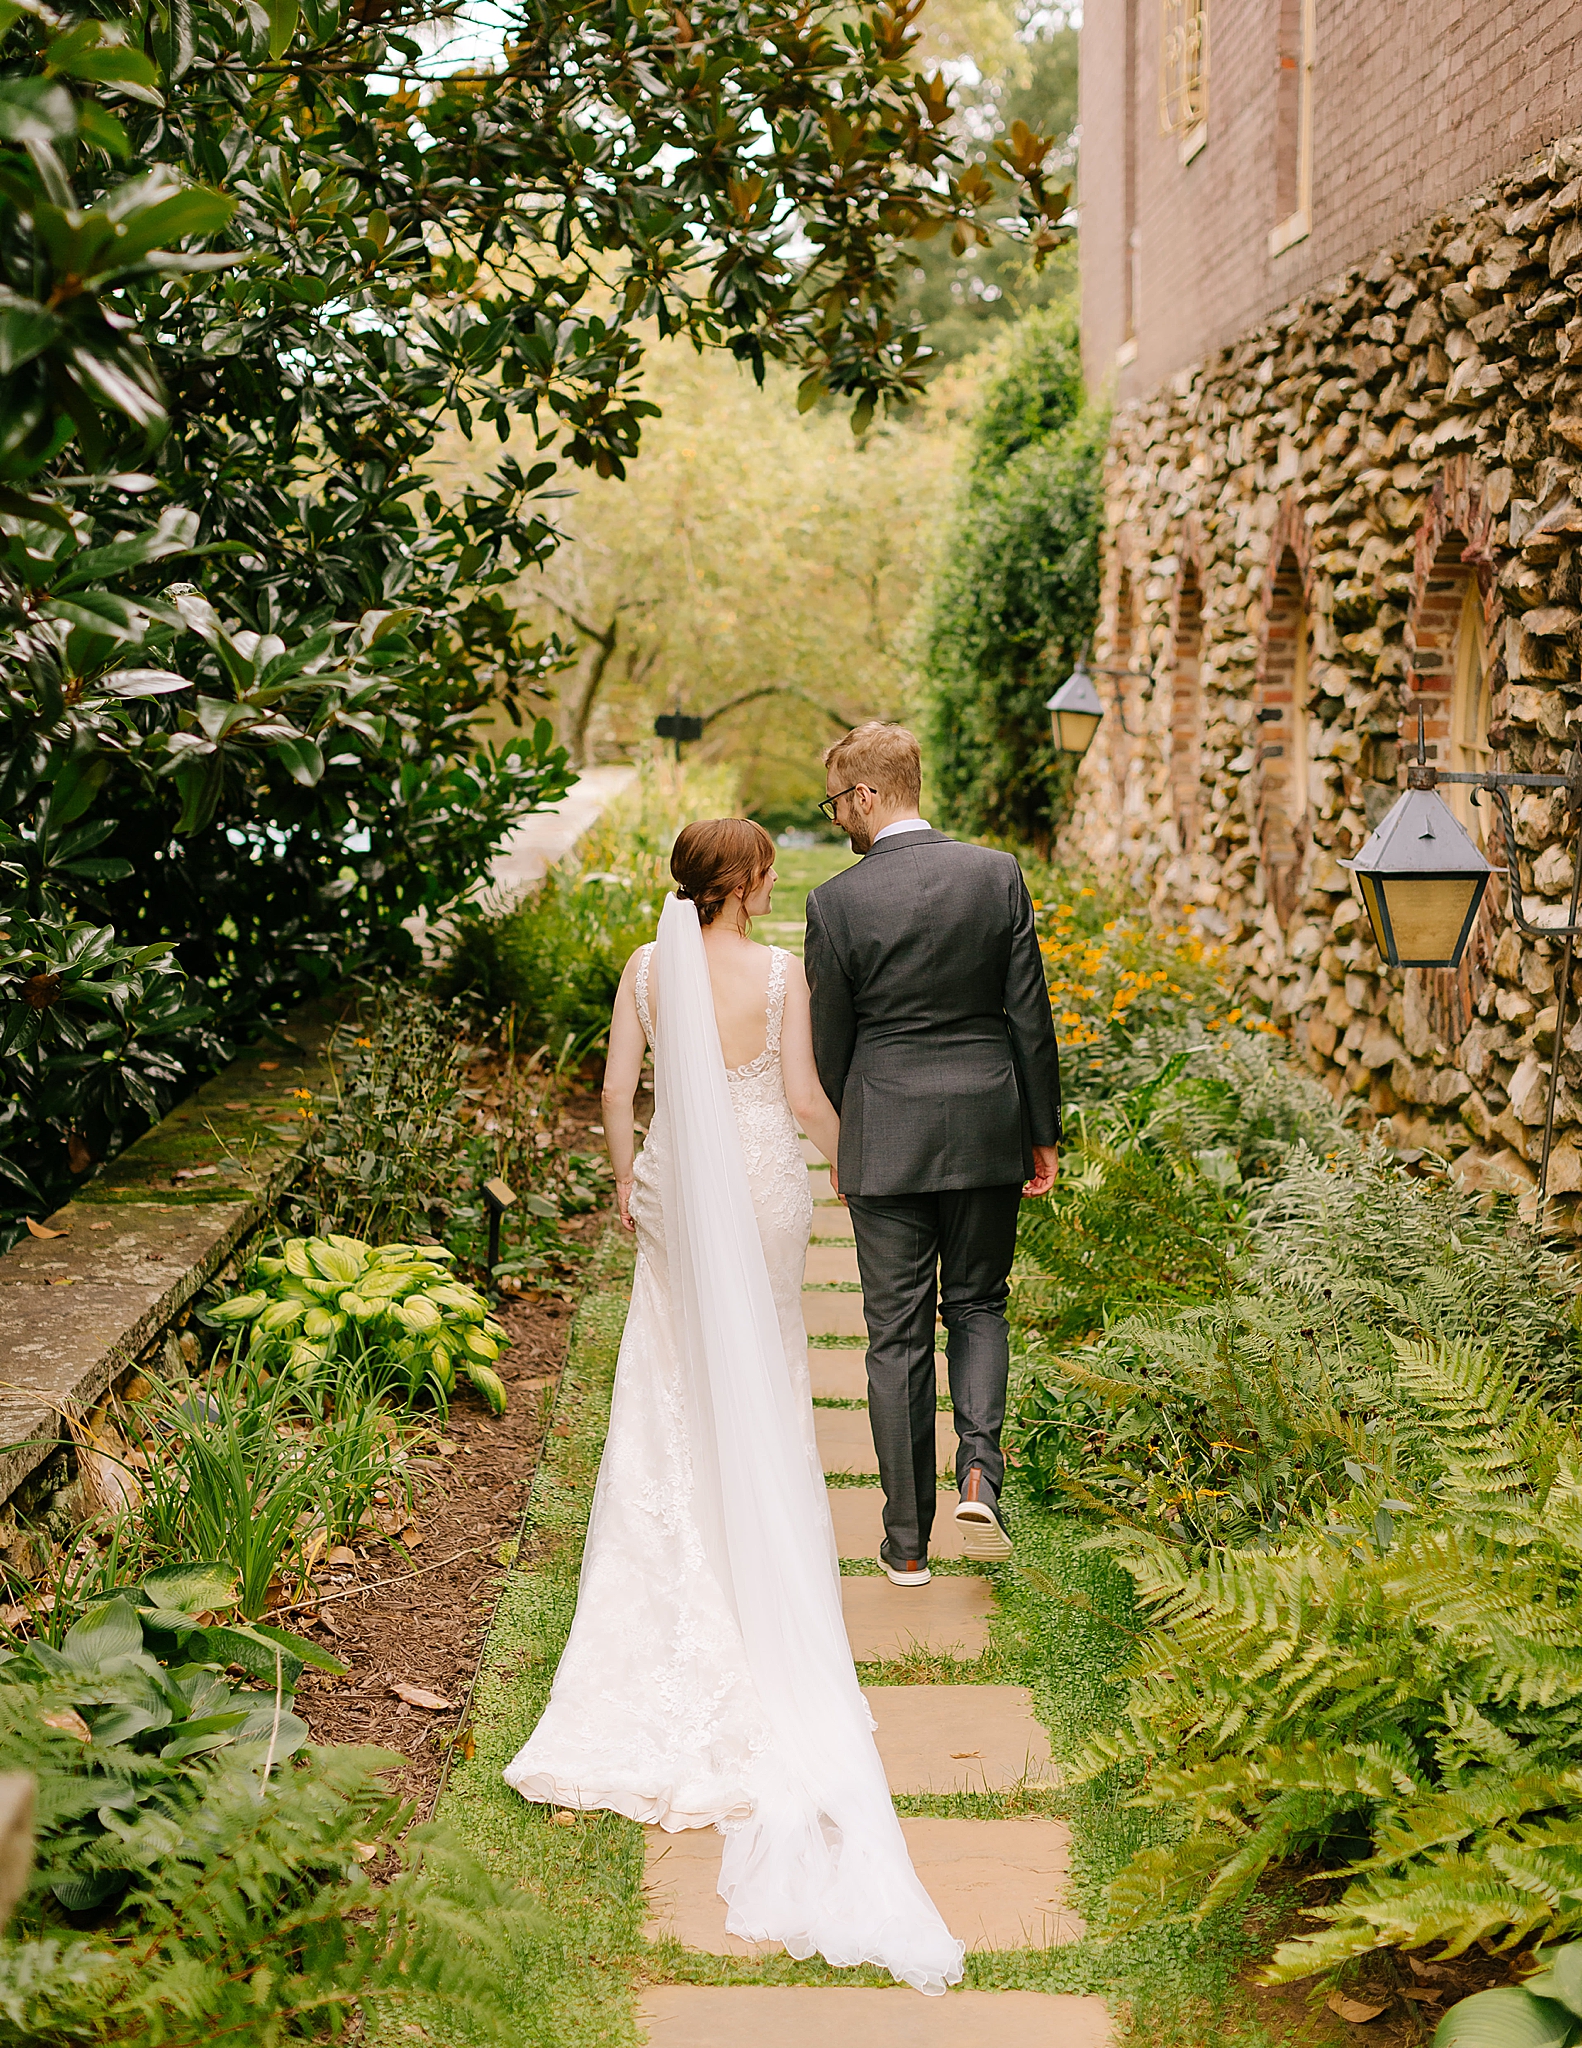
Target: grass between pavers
{"type": "Point", "coordinates": [574, 1982]}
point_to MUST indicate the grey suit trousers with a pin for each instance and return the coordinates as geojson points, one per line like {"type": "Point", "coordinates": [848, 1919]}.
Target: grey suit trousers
{"type": "Point", "coordinates": [953, 1249]}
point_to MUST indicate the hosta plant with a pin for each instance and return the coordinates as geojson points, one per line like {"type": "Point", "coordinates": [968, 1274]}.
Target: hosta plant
{"type": "Point", "coordinates": [394, 1309]}
{"type": "Point", "coordinates": [1544, 2012]}
{"type": "Point", "coordinates": [135, 1688]}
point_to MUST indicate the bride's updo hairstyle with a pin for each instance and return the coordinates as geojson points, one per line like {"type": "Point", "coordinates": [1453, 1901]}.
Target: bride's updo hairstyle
{"type": "Point", "coordinates": [714, 858]}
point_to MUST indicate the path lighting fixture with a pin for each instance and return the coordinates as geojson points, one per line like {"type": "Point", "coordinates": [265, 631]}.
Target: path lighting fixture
{"type": "Point", "coordinates": [1075, 710]}
{"type": "Point", "coordinates": [498, 1196]}
{"type": "Point", "coordinates": [1422, 879]}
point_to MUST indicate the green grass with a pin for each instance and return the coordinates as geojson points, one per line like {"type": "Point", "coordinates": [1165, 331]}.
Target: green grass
{"type": "Point", "coordinates": [800, 869]}
{"type": "Point", "coordinates": [574, 1983]}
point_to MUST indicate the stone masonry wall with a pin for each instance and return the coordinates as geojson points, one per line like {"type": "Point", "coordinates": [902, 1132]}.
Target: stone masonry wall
{"type": "Point", "coordinates": [1343, 515]}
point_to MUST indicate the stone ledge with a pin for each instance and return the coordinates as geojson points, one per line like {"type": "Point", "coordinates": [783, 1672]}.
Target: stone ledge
{"type": "Point", "coordinates": [140, 1240]}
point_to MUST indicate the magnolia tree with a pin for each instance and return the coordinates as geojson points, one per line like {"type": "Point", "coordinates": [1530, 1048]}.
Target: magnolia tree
{"type": "Point", "coordinates": [252, 260]}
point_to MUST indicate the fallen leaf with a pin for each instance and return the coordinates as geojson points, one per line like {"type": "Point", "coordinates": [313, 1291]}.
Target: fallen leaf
{"type": "Point", "coordinates": [340, 1555]}
{"type": "Point", "coordinates": [195, 1172]}
{"type": "Point", "coordinates": [411, 1536]}
{"type": "Point", "coordinates": [269, 1066]}
{"type": "Point", "coordinates": [68, 1281]}
{"type": "Point", "coordinates": [12, 1617]}
{"type": "Point", "coordinates": [1352, 2008]}
{"type": "Point", "coordinates": [78, 1156]}
{"type": "Point", "coordinates": [101, 1226]}
{"type": "Point", "coordinates": [1421, 1991]}
{"type": "Point", "coordinates": [416, 1696]}
{"type": "Point", "coordinates": [236, 1105]}
{"type": "Point", "coordinates": [69, 1722]}
{"type": "Point", "coordinates": [961, 1755]}
{"type": "Point", "coordinates": [561, 1818]}
{"type": "Point", "coordinates": [325, 1620]}
{"type": "Point", "coordinates": [38, 1230]}
{"type": "Point", "coordinates": [1429, 1970]}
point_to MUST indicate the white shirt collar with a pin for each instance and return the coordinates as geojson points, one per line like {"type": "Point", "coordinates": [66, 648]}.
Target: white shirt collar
{"type": "Point", "coordinates": [903, 825]}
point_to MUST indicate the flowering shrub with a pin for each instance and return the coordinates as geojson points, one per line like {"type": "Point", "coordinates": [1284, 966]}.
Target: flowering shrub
{"type": "Point", "coordinates": [1112, 972]}
{"type": "Point", "coordinates": [392, 1308]}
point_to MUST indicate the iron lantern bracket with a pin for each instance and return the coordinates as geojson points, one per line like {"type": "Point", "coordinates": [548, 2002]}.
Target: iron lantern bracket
{"type": "Point", "coordinates": [1423, 776]}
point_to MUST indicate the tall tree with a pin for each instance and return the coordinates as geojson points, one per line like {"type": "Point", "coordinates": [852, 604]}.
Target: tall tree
{"type": "Point", "coordinates": [759, 569]}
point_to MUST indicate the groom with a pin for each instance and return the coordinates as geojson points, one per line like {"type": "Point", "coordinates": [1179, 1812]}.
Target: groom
{"type": "Point", "coordinates": [933, 1038]}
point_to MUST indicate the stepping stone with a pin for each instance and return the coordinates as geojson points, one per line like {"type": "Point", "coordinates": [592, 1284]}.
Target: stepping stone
{"type": "Point", "coordinates": [831, 1220]}
{"type": "Point", "coordinates": [840, 1373]}
{"type": "Point", "coordinates": [845, 1441]}
{"type": "Point", "coordinates": [960, 1738]}
{"type": "Point", "coordinates": [833, 1315]}
{"type": "Point", "coordinates": [999, 1884]}
{"type": "Point", "coordinates": [681, 1874]}
{"type": "Point", "coordinates": [831, 1265]}
{"type": "Point", "coordinates": [858, 1515]}
{"type": "Point", "coordinates": [842, 2016]}
{"type": "Point", "coordinates": [949, 1617]}
{"type": "Point", "coordinates": [810, 1152]}
{"type": "Point", "coordinates": [818, 1181]}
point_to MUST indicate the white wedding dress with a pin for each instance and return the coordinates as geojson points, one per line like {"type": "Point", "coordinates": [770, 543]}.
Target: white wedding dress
{"type": "Point", "coordinates": [707, 1680]}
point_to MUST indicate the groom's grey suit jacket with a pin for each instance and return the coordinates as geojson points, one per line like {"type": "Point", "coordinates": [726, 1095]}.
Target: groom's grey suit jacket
{"type": "Point", "coordinates": [931, 1024]}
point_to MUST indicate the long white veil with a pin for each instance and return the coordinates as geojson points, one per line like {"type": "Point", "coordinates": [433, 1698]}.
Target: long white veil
{"type": "Point", "coordinates": [820, 1864]}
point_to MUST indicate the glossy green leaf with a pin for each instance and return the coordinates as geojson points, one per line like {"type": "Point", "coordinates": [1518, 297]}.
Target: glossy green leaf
{"type": "Point", "coordinates": [104, 1634]}
{"type": "Point", "coordinates": [192, 1588]}
{"type": "Point", "coordinates": [1506, 2018]}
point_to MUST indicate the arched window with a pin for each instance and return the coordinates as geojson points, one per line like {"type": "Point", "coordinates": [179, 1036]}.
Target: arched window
{"type": "Point", "coordinates": [1469, 713]}
{"type": "Point", "coordinates": [1186, 692]}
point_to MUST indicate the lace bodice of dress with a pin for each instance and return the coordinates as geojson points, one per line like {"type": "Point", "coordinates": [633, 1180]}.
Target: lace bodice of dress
{"type": "Point", "coordinates": [776, 1172]}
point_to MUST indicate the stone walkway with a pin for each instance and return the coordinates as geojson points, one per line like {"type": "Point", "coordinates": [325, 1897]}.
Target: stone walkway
{"type": "Point", "coordinates": [1000, 1883]}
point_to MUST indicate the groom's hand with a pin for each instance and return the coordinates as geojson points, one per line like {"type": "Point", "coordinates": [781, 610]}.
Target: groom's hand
{"type": "Point", "coordinates": [1046, 1164]}
{"type": "Point", "coordinates": [834, 1184]}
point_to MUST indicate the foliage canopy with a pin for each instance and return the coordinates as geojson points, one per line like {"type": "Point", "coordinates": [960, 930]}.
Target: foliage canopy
{"type": "Point", "coordinates": [1017, 593]}
{"type": "Point", "coordinates": [229, 364]}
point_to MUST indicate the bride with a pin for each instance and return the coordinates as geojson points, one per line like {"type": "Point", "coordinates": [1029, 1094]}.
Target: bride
{"type": "Point", "coordinates": [707, 1681]}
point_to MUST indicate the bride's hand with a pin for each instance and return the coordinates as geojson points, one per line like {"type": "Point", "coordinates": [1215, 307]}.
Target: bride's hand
{"type": "Point", "coordinates": [623, 1197]}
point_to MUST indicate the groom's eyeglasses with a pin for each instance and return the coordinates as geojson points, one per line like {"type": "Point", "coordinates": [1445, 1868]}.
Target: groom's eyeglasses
{"type": "Point", "coordinates": [829, 802]}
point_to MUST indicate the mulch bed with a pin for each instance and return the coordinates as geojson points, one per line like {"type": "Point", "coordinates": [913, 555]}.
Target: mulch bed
{"type": "Point", "coordinates": [427, 1595]}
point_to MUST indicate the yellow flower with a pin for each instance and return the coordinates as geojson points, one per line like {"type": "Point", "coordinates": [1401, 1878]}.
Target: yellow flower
{"type": "Point", "coordinates": [1070, 1018]}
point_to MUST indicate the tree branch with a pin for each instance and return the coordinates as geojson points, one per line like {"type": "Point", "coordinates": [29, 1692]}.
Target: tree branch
{"type": "Point", "coordinates": [778, 690]}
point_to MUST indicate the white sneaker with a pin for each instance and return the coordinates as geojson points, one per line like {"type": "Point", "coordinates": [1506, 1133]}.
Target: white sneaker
{"type": "Point", "coordinates": [983, 1535]}
{"type": "Point", "coordinates": [904, 1574]}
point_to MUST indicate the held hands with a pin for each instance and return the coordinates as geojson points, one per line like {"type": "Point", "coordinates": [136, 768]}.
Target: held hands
{"type": "Point", "coordinates": [1046, 1164]}
{"type": "Point", "coordinates": [623, 1197]}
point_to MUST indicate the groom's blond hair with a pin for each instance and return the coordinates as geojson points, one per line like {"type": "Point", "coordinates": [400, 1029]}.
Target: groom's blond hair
{"type": "Point", "coordinates": [885, 758]}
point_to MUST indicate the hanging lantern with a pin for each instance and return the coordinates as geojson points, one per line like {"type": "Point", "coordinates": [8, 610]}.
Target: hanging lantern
{"type": "Point", "coordinates": [1075, 711]}
{"type": "Point", "coordinates": [1421, 879]}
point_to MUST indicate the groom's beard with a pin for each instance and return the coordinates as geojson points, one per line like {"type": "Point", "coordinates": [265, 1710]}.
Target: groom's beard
{"type": "Point", "coordinates": [860, 833]}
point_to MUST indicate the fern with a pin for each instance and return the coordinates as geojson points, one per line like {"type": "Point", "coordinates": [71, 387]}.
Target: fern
{"type": "Point", "coordinates": [1402, 1709]}
{"type": "Point", "coordinates": [251, 1915]}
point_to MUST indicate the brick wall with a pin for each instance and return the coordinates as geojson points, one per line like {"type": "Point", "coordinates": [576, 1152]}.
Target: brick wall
{"type": "Point", "coordinates": [1413, 108]}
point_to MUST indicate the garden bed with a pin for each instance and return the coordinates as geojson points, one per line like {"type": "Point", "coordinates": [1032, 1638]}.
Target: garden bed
{"type": "Point", "coordinates": [414, 1607]}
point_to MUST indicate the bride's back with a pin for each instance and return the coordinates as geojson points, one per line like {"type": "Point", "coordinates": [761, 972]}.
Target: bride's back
{"type": "Point", "coordinates": [739, 978]}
